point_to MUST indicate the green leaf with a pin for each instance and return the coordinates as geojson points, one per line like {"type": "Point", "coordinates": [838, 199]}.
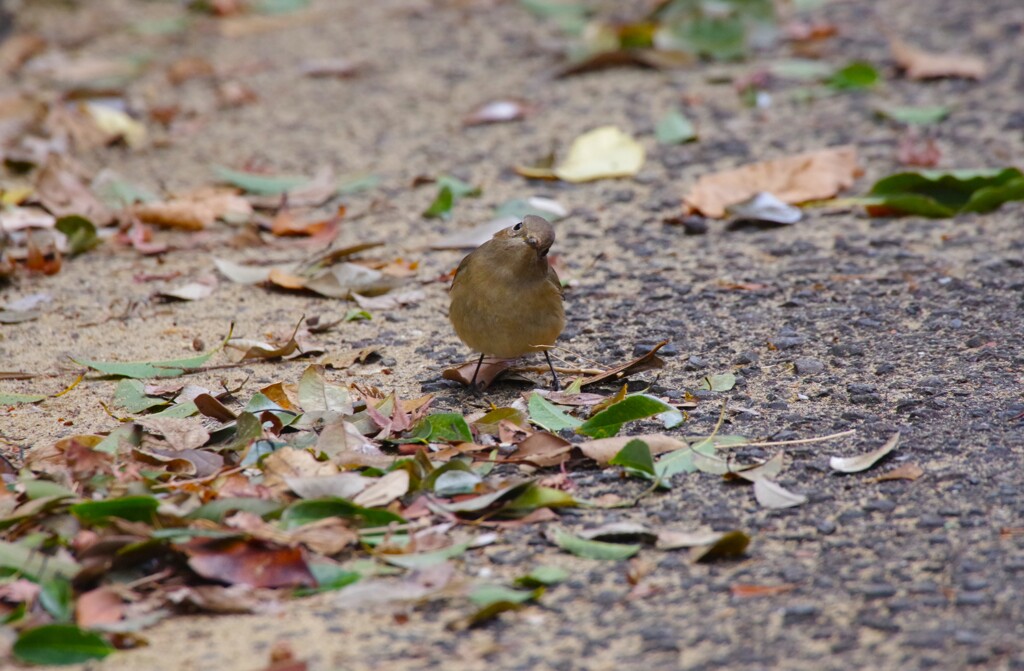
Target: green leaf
{"type": "Point", "coordinates": [424, 559]}
{"type": "Point", "coordinates": [131, 508]}
{"type": "Point", "coordinates": [635, 456]}
{"type": "Point", "coordinates": [934, 193]}
{"type": "Point", "coordinates": [32, 562]}
{"type": "Point", "coordinates": [358, 184]}
{"type": "Point", "coordinates": [329, 577]}
{"type": "Point", "coordinates": [722, 382]}
{"type": "Point", "coordinates": [681, 461]}
{"type": "Point", "coordinates": [571, 17]}
{"type": "Point", "coordinates": [267, 185]}
{"type": "Point", "coordinates": [131, 395]}
{"type": "Point", "coordinates": [146, 369]}
{"type": "Point", "coordinates": [485, 595]}
{"type": "Point", "coordinates": [357, 314]}
{"type": "Point", "coordinates": [730, 545]}
{"type": "Point", "coordinates": [450, 191]}
{"type": "Point", "coordinates": [445, 427]}
{"type": "Point", "coordinates": [547, 415]}
{"type": "Point", "coordinates": [58, 598]}
{"type": "Point", "coordinates": [304, 512]}
{"type": "Point", "coordinates": [493, 600]}
{"type": "Point", "coordinates": [609, 421]}
{"type": "Point", "coordinates": [543, 576]}
{"type": "Point", "coordinates": [279, 6]}
{"type": "Point", "coordinates": [442, 205]}
{"type": "Point", "coordinates": [919, 116]}
{"type": "Point", "coordinates": [216, 510]}
{"type": "Point", "coordinates": [674, 128]}
{"type": "Point", "coordinates": [10, 398]}
{"type": "Point", "coordinates": [800, 69]}
{"type": "Point", "coordinates": [80, 232]}
{"type": "Point", "coordinates": [593, 549]}
{"type": "Point", "coordinates": [60, 644]}
{"type": "Point", "coordinates": [535, 497]}
{"type": "Point", "coordinates": [856, 75]}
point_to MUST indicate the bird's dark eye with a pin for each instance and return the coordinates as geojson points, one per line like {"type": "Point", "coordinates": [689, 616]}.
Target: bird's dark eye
{"type": "Point", "coordinates": [518, 227]}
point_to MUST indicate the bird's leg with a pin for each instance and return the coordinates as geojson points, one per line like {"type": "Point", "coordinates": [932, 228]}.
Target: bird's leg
{"type": "Point", "coordinates": [475, 373]}
{"type": "Point", "coordinates": [554, 376]}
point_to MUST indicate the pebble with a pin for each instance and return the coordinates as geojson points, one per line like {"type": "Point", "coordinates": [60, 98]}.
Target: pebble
{"type": "Point", "coordinates": [879, 590]}
{"type": "Point", "coordinates": [929, 521]}
{"type": "Point", "coordinates": [750, 356]}
{"type": "Point", "coordinates": [788, 341]}
{"type": "Point", "coordinates": [880, 506]}
{"type": "Point", "coordinates": [826, 527]}
{"type": "Point", "coordinates": [808, 366]}
{"type": "Point", "coordinates": [800, 613]}
{"type": "Point", "coordinates": [972, 599]}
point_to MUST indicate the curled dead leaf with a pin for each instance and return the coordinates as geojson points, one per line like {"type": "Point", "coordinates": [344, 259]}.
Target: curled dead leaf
{"type": "Point", "coordinates": [796, 179]}
{"type": "Point", "coordinates": [603, 449]}
{"type": "Point", "coordinates": [921, 64]}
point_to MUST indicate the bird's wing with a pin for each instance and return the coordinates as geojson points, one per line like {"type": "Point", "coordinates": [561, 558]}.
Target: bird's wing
{"type": "Point", "coordinates": [553, 279]}
{"type": "Point", "coordinates": [462, 265]}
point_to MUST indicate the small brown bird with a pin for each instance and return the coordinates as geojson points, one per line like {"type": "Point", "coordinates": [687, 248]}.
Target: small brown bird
{"type": "Point", "coordinates": [506, 298]}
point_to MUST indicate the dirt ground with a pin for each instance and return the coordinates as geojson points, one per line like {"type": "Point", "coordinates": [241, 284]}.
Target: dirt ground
{"type": "Point", "coordinates": [909, 325]}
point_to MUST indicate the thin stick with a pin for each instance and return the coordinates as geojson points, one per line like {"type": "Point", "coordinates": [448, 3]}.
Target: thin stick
{"type": "Point", "coordinates": [801, 441]}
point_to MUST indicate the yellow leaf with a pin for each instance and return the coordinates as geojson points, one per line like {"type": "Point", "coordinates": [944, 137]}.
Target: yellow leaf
{"type": "Point", "coordinates": [601, 153]}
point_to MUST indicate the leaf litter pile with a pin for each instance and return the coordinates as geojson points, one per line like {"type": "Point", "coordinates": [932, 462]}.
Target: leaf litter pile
{"type": "Point", "coordinates": [227, 501]}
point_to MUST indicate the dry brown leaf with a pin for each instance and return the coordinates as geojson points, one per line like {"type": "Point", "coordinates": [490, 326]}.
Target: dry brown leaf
{"type": "Point", "coordinates": [180, 434]}
{"type": "Point", "coordinates": [248, 562]}
{"type": "Point", "coordinates": [189, 67]}
{"type": "Point", "coordinates": [385, 490]}
{"type": "Point", "coordinates": [218, 599]}
{"type": "Point", "coordinates": [796, 179]}
{"type": "Point", "coordinates": [99, 606]}
{"type": "Point", "coordinates": [61, 191]}
{"type": "Point", "coordinates": [542, 449]}
{"type": "Point", "coordinates": [288, 462]}
{"type": "Point", "coordinates": [904, 472]}
{"type": "Point", "coordinates": [194, 210]}
{"type": "Point", "coordinates": [16, 50]}
{"type": "Point", "coordinates": [647, 361]}
{"type": "Point", "coordinates": [603, 449]}
{"type": "Point", "coordinates": [746, 591]}
{"type": "Point", "coordinates": [921, 64]}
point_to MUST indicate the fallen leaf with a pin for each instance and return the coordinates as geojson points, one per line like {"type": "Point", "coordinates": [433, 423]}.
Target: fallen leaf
{"type": "Point", "coordinates": [97, 607]}
{"type": "Point", "coordinates": [864, 461]}
{"type": "Point", "coordinates": [747, 591]}
{"type": "Point", "coordinates": [729, 545]}
{"type": "Point", "coordinates": [772, 495]}
{"type": "Point", "coordinates": [542, 449]}
{"type": "Point", "coordinates": [936, 193]}
{"type": "Point", "coordinates": [604, 450]}
{"type": "Point", "coordinates": [604, 152]}
{"type": "Point", "coordinates": [193, 291]}
{"type": "Point", "coordinates": [921, 64]}
{"type": "Point", "coordinates": [765, 208]}
{"type": "Point", "coordinates": [647, 361]}
{"type": "Point", "coordinates": [248, 562]}
{"type": "Point", "coordinates": [917, 151]}
{"type": "Point", "coordinates": [674, 128]}
{"type": "Point", "coordinates": [489, 370]}
{"type": "Point", "coordinates": [903, 472]}
{"type": "Point", "coordinates": [498, 111]}
{"type": "Point", "coordinates": [117, 124]}
{"type": "Point", "coordinates": [384, 490]}
{"type": "Point", "coordinates": [796, 179]}
{"type": "Point", "coordinates": [588, 549]}
{"type": "Point", "coordinates": [194, 210]}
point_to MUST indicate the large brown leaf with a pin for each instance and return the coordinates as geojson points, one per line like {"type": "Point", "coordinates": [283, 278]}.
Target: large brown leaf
{"type": "Point", "coordinates": [813, 175]}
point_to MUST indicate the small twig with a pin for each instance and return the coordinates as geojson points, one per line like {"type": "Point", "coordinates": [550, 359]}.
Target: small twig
{"type": "Point", "coordinates": [800, 441]}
